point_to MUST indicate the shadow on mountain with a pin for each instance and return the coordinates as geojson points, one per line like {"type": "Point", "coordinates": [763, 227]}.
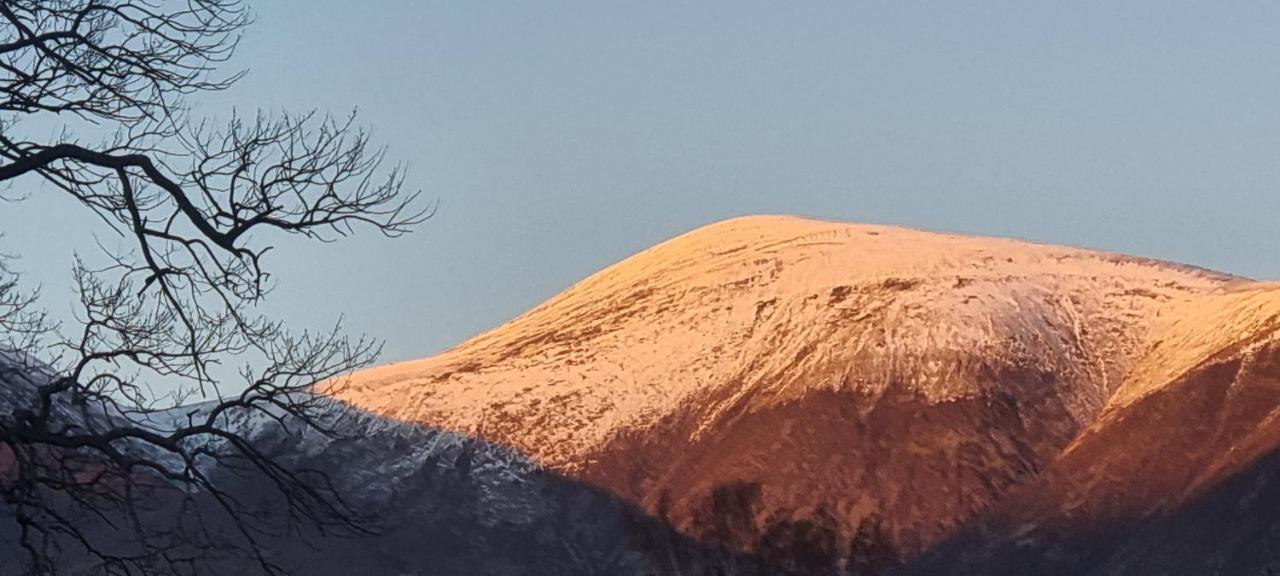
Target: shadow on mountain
{"type": "Point", "coordinates": [433, 503]}
{"type": "Point", "coordinates": [1185, 481]}
{"type": "Point", "coordinates": [1232, 530]}
{"type": "Point", "coordinates": [445, 504]}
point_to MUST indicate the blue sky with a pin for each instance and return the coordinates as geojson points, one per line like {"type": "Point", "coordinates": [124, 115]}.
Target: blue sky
{"type": "Point", "coordinates": [560, 137]}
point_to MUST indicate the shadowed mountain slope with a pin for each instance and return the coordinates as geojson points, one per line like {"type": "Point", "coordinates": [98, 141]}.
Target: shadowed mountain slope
{"type": "Point", "coordinates": [802, 389]}
{"type": "Point", "coordinates": [429, 503]}
{"type": "Point", "coordinates": [1181, 480]}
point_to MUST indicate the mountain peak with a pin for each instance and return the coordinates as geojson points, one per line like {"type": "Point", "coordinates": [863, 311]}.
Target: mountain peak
{"type": "Point", "coordinates": [893, 372]}
{"type": "Point", "coordinates": [770, 306]}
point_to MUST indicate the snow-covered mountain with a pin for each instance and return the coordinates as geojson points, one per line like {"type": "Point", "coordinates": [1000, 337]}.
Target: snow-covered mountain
{"type": "Point", "coordinates": [807, 391]}
{"type": "Point", "coordinates": [777, 395]}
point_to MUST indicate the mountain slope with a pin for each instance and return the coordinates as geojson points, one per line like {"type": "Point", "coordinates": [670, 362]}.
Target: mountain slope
{"type": "Point", "coordinates": [1176, 480]}
{"type": "Point", "coordinates": [789, 386]}
{"type": "Point", "coordinates": [749, 295]}
{"type": "Point", "coordinates": [429, 503]}
{"type": "Point", "coordinates": [827, 398]}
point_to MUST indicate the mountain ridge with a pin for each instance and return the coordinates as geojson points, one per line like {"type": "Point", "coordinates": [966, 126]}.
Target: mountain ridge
{"type": "Point", "coordinates": [882, 374]}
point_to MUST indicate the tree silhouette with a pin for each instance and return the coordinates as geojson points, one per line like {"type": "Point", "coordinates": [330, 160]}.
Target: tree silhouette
{"type": "Point", "coordinates": [804, 546]}
{"type": "Point", "coordinates": [85, 446]}
{"type": "Point", "coordinates": [871, 552]}
{"type": "Point", "coordinates": [728, 517]}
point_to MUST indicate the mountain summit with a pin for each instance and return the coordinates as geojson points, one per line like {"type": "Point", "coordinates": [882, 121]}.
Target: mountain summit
{"type": "Point", "coordinates": [816, 392]}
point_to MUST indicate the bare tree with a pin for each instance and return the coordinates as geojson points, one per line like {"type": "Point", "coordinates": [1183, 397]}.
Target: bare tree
{"type": "Point", "coordinates": [197, 202]}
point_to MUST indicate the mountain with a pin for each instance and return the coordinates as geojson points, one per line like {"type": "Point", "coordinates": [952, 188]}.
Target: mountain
{"type": "Point", "coordinates": [827, 395]}
{"type": "Point", "coordinates": [429, 503]}
{"type": "Point", "coordinates": [778, 395]}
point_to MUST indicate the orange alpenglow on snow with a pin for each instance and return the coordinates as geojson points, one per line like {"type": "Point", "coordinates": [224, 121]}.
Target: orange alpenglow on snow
{"type": "Point", "coordinates": [836, 371]}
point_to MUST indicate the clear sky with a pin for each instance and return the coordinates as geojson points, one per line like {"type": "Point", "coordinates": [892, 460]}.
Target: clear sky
{"type": "Point", "coordinates": [560, 137]}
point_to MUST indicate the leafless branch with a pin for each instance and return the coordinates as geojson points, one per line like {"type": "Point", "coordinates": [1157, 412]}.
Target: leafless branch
{"type": "Point", "coordinates": [94, 444]}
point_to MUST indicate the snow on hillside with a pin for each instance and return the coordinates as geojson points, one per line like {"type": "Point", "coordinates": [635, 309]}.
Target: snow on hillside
{"type": "Point", "coordinates": [773, 307]}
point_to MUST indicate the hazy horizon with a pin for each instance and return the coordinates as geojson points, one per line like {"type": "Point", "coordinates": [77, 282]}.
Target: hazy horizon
{"type": "Point", "coordinates": [559, 140]}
